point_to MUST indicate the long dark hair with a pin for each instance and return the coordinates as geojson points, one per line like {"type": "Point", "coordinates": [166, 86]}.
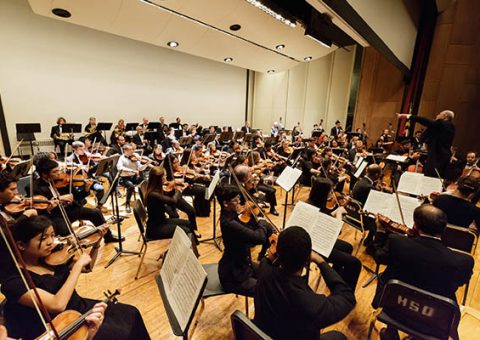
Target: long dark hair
{"type": "Point", "coordinates": [155, 181]}
{"type": "Point", "coordinates": [26, 229]}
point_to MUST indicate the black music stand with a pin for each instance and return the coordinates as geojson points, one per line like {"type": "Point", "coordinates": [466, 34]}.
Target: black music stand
{"type": "Point", "coordinates": [153, 126]}
{"type": "Point", "coordinates": [131, 126]}
{"type": "Point", "coordinates": [26, 132]}
{"type": "Point", "coordinates": [238, 135]}
{"type": "Point", "coordinates": [226, 137]}
{"type": "Point", "coordinates": [72, 127]}
{"type": "Point", "coordinates": [209, 138]}
{"type": "Point", "coordinates": [109, 165]}
{"type": "Point", "coordinates": [104, 127]}
{"type": "Point", "coordinates": [185, 141]}
{"type": "Point", "coordinates": [22, 168]}
{"type": "Point", "coordinates": [317, 133]}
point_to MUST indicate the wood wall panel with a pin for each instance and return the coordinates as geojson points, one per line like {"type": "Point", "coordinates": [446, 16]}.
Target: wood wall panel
{"type": "Point", "coordinates": [380, 94]}
{"type": "Point", "coordinates": [453, 75]}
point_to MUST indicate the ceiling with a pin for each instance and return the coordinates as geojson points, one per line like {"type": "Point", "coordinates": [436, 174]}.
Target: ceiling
{"type": "Point", "coordinates": [201, 27]}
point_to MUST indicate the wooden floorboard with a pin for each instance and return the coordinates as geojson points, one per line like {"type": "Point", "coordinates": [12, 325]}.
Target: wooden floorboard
{"type": "Point", "coordinates": [214, 323]}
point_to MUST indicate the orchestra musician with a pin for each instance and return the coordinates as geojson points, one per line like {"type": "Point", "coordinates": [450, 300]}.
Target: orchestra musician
{"type": "Point", "coordinates": [140, 141]}
{"type": "Point", "coordinates": [471, 162]}
{"type": "Point", "coordinates": [422, 261]}
{"type": "Point", "coordinates": [246, 128]}
{"type": "Point", "coordinates": [60, 137]}
{"type": "Point", "coordinates": [336, 130]}
{"type": "Point", "coordinates": [177, 124]}
{"type": "Point", "coordinates": [118, 130]}
{"type": "Point", "coordinates": [310, 167]}
{"type": "Point", "coordinates": [275, 129]}
{"type": "Point", "coordinates": [386, 140]}
{"type": "Point", "coordinates": [49, 172]}
{"type": "Point", "coordinates": [457, 205]}
{"type": "Point", "coordinates": [56, 288]}
{"type": "Point", "coordinates": [236, 270]}
{"type": "Point", "coordinates": [130, 168]}
{"type": "Point", "coordinates": [92, 133]}
{"type": "Point", "coordinates": [285, 306]}
{"type": "Point", "coordinates": [157, 155]}
{"type": "Point", "coordinates": [439, 137]}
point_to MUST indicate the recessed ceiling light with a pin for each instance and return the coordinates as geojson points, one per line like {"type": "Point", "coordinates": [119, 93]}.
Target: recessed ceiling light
{"type": "Point", "coordinates": [173, 44]}
{"type": "Point", "coordinates": [270, 71]}
{"type": "Point", "coordinates": [228, 60]}
{"type": "Point", "coordinates": [280, 47]}
{"type": "Point", "coordinates": [235, 27]}
{"type": "Point", "coordinates": [307, 58]}
{"type": "Point", "coordinates": [60, 12]}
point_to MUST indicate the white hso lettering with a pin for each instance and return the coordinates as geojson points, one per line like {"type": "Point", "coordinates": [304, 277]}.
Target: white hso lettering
{"type": "Point", "coordinates": [416, 307]}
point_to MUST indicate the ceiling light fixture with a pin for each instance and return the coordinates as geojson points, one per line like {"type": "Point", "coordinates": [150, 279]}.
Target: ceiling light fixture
{"type": "Point", "coordinates": [270, 71]}
{"type": "Point", "coordinates": [228, 60]}
{"type": "Point", "coordinates": [280, 47]}
{"type": "Point", "coordinates": [272, 13]}
{"type": "Point", "coordinates": [62, 13]}
{"type": "Point", "coordinates": [173, 44]}
{"type": "Point", "coordinates": [307, 58]}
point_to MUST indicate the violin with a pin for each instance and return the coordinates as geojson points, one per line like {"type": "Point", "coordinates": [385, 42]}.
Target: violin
{"type": "Point", "coordinates": [63, 180]}
{"type": "Point", "coordinates": [19, 204]}
{"type": "Point", "coordinates": [248, 210]}
{"type": "Point", "coordinates": [71, 325]}
{"type": "Point", "coordinates": [394, 226]}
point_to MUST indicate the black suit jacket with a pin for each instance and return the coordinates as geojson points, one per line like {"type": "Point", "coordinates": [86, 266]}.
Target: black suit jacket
{"type": "Point", "coordinates": [246, 130]}
{"type": "Point", "coordinates": [423, 262]}
{"type": "Point", "coordinates": [362, 189]}
{"type": "Point", "coordinates": [334, 131]}
{"type": "Point", "coordinates": [55, 131]}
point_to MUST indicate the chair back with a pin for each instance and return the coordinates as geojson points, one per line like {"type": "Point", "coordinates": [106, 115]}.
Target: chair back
{"type": "Point", "coordinates": [140, 216]}
{"type": "Point", "coordinates": [23, 185]}
{"type": "Point", "coordinates": [459, 238]}
{"type": "Point", "coordinates": [354, 215]}
{"type": "Point", "coordinates": [414, 310]}
{"type": "Point", "coordinates": [245, 329]}
{"type": "Point", "coordinates": [142, 189]}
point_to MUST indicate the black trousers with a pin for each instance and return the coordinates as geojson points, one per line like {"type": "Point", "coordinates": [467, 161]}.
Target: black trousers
{"type": "Point", "coordinates": [344, 263]}
{"type": "Point", "coordinates": [183, 205]}
{"type": "Point", "coordinates": [76, 213]}
{"type": "Point", "coordinates": [201, 205]}
{"type": "Point", "coordinates": [129, 184]}
{"type": "Point", "coordinates": [270, 196]}
{"type": "Point", "coordinates": [166, 229]}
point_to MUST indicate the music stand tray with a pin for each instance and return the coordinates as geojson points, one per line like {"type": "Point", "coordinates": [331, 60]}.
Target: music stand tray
{"type": "Point", "coordinates": [226, 136]}
{"type": "Point", "coordinates": [185, 140]}
{"type": "Point", "coordinates": [209, 138]}
{"type": "Point", "coordinates": [104, 126]}
{"type": "Point", "coordinates": [131, 126]}
{"type": "Point", "coordinates": [239, 135]}
{"type": "Point", "coordinates": [317, 133]}
{"type": "Point", "coordinates": [72, 127]}
{"type": "Point", "coordinates": [153, 126]}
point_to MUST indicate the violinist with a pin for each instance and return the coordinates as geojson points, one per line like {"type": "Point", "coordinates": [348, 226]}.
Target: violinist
{"type": "Point", "coordinates": [56, 287]}
{"type": "Point", "coordinates": [157, 155]}
{"type": "Point", "coordinates": [117, 148]}
{"type": "Point", "coordinates": [236, 270]}
{"type": "Point", "coordinates": [422, 261]}
{"type": "Point", "coordinates": [310, 167]}
{"type": "Point", "coordinates": [140, 141]}
{"type": "Point", "coordinates": [386, 141]}
{"type": "Point", "coordinates": [158, 200]}
{"type": "Point", "coordinates": [458, 207]}
{"type": "Point", "coordinates": [49, 172]}
{"type": "Point", "coordinates": [336, 130]}
{"type": "Point", "coordinates": [83, 158]}
{"type": "Point", "coordinates": [60, 137]}
{"type": "Point", "coordinates": [471, 163]}
{"type": "Point", "coordinates": [130, 169]}
{"type": "Point", "coordinates": [285, 305]}
{"type": "Point", "coordinates": [92, 133]}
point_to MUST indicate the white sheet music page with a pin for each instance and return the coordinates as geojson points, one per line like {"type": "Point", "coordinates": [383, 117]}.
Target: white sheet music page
{"type": "Point", "coordinates": [417, 184]}
{"type": "Point", "coordinates": [429, 185]}
{"type": "Point", "coordinates": [360, 169]}
{"type": "Point", "coordinates": [323, 229]}
{"type": "Point", "coordinates": [408, 204]}
{"type": "Point", "coordinates": [212, 186]}
{"type": "Point", "coordinates": [183, 277]}
{"type": "Point", "coordinates": [397, 158]}
{"type": "Point", "coordinates": [378, 203]}
{"type": "Point", "coordinates": [288, 178]}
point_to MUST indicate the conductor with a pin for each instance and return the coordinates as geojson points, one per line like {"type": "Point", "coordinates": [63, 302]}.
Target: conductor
{"type": "Point", "coordinates": [439, 137]}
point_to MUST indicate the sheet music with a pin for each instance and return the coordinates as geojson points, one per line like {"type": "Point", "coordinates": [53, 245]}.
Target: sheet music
{"type": "Point", "coordinates": [212, 186]}
{"type": "Point", "coordinates": [288, 178]}
{"type": "Point", "coordinates": [418, 184]}
{"type": "Point", "coordinates": [359, 161]}
{"type": "Point", "coordinates": [397, 158]}
{"type": "Point", "coordinates": [183, 277]}
{"type": "Point", "coordinates": [386, 204]}
{"type": "Point", "coordinates": [322, 228]}
{"type": "Point", "coordinates": [360, 169]}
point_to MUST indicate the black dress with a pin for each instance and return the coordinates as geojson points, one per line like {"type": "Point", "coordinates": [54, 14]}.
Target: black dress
{"type": "Point", "coordinates": [121, 321]}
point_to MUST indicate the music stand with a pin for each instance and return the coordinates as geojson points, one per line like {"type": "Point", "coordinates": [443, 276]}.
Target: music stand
{"type": "Point", "coordinates": [27, 132]}
{"type": "Point", "coordinates": [178, 134]}
{"type": "Point", "coordinates": [317, 133]}
{"type": "Point", "coordinates": [22, 168]}
{"type": "Point", "coordinates": [104, 127]}
{"type": "Point", "coordinates": [109, 165]}
{"type": "Point", "coordinates": [153, 126]}
{"type": "Point", "coordinates": [131, 126]}
{"type": "Point", "coordinates": [72, 127]}
{"type": "Point", "coordinates": [238, 135]}
{"type": "Point", "coordinates": [185, 141]}
{"type": "Point", "coordinates": [226, 137]}
{"type": "Point", "coordinates": [208, 138]}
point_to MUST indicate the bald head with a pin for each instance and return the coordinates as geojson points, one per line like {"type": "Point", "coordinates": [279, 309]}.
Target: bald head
{"type": "Point", "coordinates": [374, 171]}
{"type": "Point", "coordinates": [430, 220]}
{"type": "Point", "coordinates": [242, 172]}
{"type": "Point", "coordinates": [445, 115]}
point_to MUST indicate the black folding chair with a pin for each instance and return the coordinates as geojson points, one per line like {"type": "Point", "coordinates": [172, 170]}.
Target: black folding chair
{"type": "Point", "coordinates": [245, 329]}
{"type": "Point", "coordinates": [460, 238]}
{"type": "Point", "coordinates": [415, 311]}
{"type": "Point", "coordinates": [354, 218]}
{"type": "Point", "coordinates": [141, 217]}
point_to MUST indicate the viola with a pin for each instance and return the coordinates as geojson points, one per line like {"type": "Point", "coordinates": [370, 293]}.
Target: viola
{"type": "Point", "coordinates": [71, 325]}
{"type": "Point", "coordinates": [394, 226]}
{"type": "Point", "coordinates": [334, 197]}
{"type": "Point", "coordinates": [19, 204]}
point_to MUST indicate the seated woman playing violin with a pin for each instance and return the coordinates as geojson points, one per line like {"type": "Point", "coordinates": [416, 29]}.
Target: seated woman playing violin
{"type": "Point", "coordinates": [83, 158]}
{"type": "Point", "coordinates": [236, 270]}
{"type": "Point", "coordinates": [56, 288]}
{"type": "Point", "coordinates": [157, 155]}
{"type": "Point", "coordinates": [158, 196]}
{"type": "Point", "coordinates": [49, 172]}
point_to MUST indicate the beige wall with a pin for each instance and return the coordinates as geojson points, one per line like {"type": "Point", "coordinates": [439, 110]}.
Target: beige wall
{"type": "Point", "coordinates": [306, 93]}
{"type": "Point", "coordinates": [49, 68]}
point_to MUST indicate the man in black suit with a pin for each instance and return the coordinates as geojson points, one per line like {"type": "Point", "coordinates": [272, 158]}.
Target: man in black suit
{"type": "Point", "coordinates": [236, 270]}
{"type": "Point", "coordinates": [177, 124]}
{"type": "Point", "coordinates": [285, 306]}
{"type": "Point", "coordinates": [336, 129]}
{"type": "Point", "coordinates": [422, 261]}
{"type": "Point", "coordinates": [439, 137]}
{"type": "Point", "coordinates": [246, 128]}
{"type": "Point", "coordinates": [58, 135]}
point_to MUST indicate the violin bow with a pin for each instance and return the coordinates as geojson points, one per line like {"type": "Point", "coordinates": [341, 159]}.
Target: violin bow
{"type": "Point", "coordinates": [25, 276]}
{"type": "Point", "coordinates": [331, 189]}
{"type": "Point", "coordinates": [441, 180]}
{"type": "Point", "coordinates": [91, 153]}
{"type": "Point", "coordinates": [13, 152]}
{"type": "Point", "coordinates": [398, 201]}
